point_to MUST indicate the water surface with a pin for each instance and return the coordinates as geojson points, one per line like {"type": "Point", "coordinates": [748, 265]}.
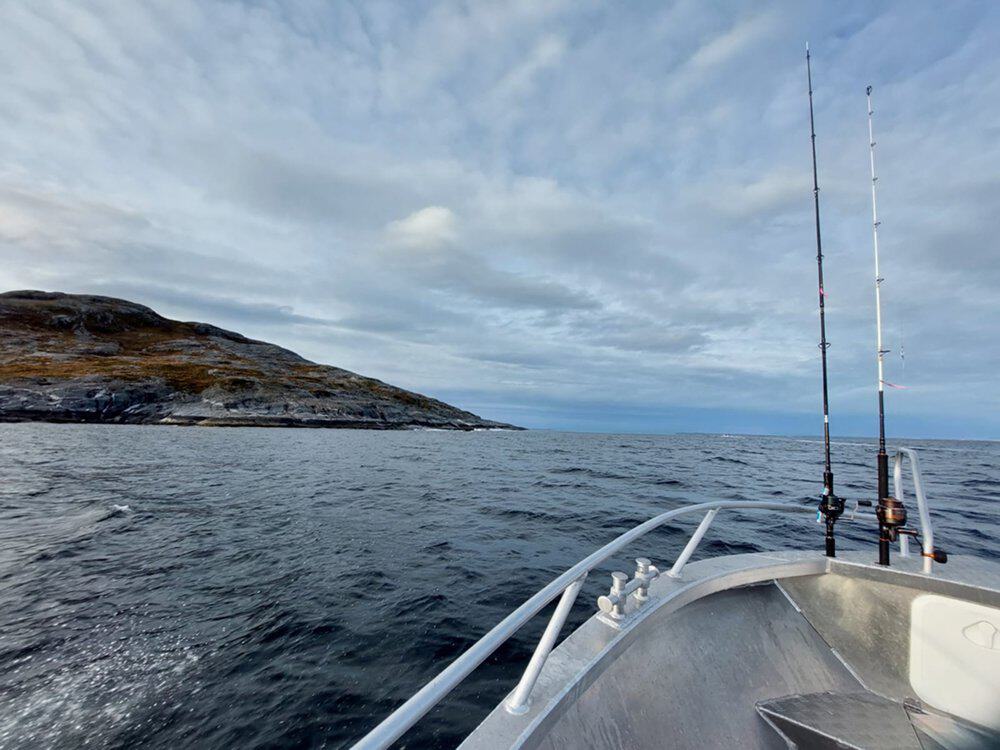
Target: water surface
{"type": "Point", "coordinates": [217, 588]}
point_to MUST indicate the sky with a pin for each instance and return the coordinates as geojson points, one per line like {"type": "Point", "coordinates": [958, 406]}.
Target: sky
{"type": "Point", "coordinates": [570, 215]}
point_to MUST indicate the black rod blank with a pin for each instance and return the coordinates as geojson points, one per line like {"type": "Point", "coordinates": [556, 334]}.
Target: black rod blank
{"type": "Point", "coordinates": [830, 505]}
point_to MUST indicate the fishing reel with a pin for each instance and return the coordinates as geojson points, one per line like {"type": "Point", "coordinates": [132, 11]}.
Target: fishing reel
{"type": "Point", "coordinates": [832, 508]}
{"type": "Point", "coordinates": [891, 515]}
{"type": "Point", "coordinates": [891, 523]}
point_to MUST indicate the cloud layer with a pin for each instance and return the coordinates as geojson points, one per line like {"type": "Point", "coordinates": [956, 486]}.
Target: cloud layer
{"type": "Point", "coordinates": [559, 213]}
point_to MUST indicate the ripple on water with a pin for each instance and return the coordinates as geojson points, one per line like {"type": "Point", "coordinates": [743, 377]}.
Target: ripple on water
{"type": "Point", "coordinates": [217, 588]}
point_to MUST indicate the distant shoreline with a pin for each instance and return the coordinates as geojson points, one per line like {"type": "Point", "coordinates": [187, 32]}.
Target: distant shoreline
{"type": "Point", "coordinates": [276, 423]}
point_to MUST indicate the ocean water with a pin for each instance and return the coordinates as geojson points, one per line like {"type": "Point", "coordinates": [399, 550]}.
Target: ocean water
{"type": "Point", "coordinates": [217, 588]}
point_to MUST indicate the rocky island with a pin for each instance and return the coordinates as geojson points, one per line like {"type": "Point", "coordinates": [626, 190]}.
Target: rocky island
{"type": "Point", "coordinates": [82, 358]}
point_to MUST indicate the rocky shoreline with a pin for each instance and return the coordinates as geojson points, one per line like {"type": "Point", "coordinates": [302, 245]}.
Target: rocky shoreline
{"type": "Point", "coordinates": [82, 358]}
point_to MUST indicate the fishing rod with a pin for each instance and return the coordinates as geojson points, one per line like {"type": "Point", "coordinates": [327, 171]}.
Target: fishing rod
{"type": "Point", "coordinates": [890, 512]}
{"type": "Point", "coordinates": [830, 506]}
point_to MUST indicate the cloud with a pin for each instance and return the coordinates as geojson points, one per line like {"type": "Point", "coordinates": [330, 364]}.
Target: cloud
{"type": "Point", "coordinates": [518, 80]}
{"type": "Point", "coordinates": [528, 202]}
{"type": "Point", "coordinates": [737, 40]}
{"type": "Point", "coordinates": [760, 197]}
{"type": "Point", "coordinates": [429, 227]}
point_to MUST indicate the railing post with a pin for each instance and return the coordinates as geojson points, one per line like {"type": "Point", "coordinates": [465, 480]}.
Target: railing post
{"type": "Point", "coordinates": [926, 529]}
{"type": "Point", "coordinates": [518, 701]}
{"type": "Point", "coordinates": [897, 486]}
{"type": "Point", "coordinates": [897, 476]}
{"type": "Point", "coordinates": [693, 542]}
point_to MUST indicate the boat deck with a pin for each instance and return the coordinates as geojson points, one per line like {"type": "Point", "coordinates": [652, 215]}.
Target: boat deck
{"type": "Point", "coordinates": [708, 660]}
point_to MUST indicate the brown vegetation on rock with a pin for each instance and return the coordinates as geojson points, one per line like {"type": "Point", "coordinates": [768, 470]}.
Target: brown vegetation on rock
{"type": "Point", "coordinates": [85, 358]}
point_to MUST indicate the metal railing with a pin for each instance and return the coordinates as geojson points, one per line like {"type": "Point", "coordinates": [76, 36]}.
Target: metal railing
{"type": "Point", "coordinates": [926, 529]}
{"type": "Point", "coordinates": [567, 585]}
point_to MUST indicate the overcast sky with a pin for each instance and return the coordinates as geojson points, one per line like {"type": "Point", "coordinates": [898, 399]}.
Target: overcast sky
{"type": "Point", "coordinates": [563, 214]}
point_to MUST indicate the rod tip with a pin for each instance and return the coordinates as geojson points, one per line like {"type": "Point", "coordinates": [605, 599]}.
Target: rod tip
{"type": "Point", "coordinates": [868, 90]}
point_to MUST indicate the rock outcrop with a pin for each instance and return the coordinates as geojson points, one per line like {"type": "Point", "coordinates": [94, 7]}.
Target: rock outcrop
{"type": "Point", "coordinates": [82, 358]}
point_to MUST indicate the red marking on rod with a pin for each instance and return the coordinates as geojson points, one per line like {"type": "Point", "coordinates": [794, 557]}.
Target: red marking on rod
{"type": "Point", "coordinates": [893, 385]}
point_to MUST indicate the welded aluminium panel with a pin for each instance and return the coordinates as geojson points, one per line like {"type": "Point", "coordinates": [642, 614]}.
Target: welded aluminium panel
{"type": "Point", "coordinates": [955, 657]}
{"type": "Point", "coordinates": [842, 720]}
{"type": "Point", "coordinates": [692, 680]}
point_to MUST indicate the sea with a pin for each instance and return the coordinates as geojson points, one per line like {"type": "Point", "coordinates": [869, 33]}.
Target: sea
{"type": "Point", "coordinates": [167, 587]}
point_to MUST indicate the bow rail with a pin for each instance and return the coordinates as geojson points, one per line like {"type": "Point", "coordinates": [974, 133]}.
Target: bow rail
{"type": "Point", "coordinates": [567, 585]}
